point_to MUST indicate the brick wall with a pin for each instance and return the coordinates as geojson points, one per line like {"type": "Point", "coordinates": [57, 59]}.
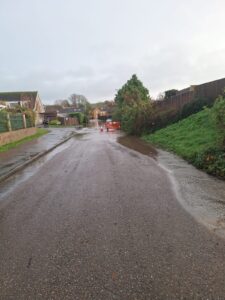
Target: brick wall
{"type": "Point", "coordinates": [13, 136]}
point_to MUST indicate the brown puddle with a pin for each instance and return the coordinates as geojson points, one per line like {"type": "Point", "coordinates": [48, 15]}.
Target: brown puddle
{"type": "Point", "coordinates": [138, 145]}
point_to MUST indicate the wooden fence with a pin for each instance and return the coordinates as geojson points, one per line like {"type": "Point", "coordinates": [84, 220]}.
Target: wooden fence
{"type": "Point", "coordinates": [11, 121]}
{"type": "Point", "coordinates": [210, 90]}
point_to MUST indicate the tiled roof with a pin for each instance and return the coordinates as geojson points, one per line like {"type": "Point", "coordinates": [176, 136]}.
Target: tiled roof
{"type": "Point", "coordinates": [52, 108]}
{"type": "Point", "coordinates": [16, 96]}
{"type": "Point", "coordinates": [69, 110]}
{"type": "Point", "coordinates": [29, 96]}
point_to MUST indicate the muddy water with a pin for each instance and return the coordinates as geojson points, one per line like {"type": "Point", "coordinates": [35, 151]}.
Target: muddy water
{"type": "Point", "coordinates": [203, 196]}
{"type": "Point", "coordinates": [137, 144]}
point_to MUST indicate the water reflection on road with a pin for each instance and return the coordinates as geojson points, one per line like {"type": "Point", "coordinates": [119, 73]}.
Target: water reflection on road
{"type": "Point", "coordinates": [21, 176]}
{"type": "Point", "coordinates": [200, 194]}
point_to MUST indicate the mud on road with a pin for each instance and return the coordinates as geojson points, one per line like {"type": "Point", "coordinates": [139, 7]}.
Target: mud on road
{"type": "Point", "coordinates": [139, 145]}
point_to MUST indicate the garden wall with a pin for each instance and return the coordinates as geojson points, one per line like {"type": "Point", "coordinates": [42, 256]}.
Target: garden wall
{"type": "Point", "coordinates": [13, 136]}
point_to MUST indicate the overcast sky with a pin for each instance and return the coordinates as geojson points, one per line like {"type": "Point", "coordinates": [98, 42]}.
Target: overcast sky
{"type": "Point", "coordinates": [92, 47]}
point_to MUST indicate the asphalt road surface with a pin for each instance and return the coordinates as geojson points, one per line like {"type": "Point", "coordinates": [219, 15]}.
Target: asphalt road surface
{"type": "Point", "coordinates": [97, 220]}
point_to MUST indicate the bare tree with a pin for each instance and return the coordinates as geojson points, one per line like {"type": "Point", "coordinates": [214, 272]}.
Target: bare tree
{"type": "Point", "coordinates": [63, 103]}
{"type": "Point", "coordinates": [161, 96]}
{"type": "Point", "coordinates": [78, 100]}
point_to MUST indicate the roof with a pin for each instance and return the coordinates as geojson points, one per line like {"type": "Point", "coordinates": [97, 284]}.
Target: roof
{"type": "Point", "coordinates": [17, 96]}
{"type": "Point", "coordinates": [24, 96]}
{"type": "Point", "coordinates": [69, 110]}
{"type": "Point", "coordinates": [62, 110]}
{"type": "Point", "coordinates": [52, 108]}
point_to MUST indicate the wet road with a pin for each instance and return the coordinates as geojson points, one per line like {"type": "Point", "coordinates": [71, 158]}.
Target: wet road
{"type": "Point", "coordinates": [17, 156]}
{"type": "Point", "coordinates": [97, 220]}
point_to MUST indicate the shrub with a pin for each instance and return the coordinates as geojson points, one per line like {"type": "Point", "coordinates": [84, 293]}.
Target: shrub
{"type": "Point", "coordinates": [163, 117]}
{"type": "Point", "coordinates": [218, 116]}
{"type": "Point", "coordinates": [79, 116]}
{"type": "Point", "coordinates": [54, 122]}
{"type": "Point", "coordinates": [134, 119]}
{"type": "Point", "coordinates": [212, 161]}
{"type": "Point", "coordinates": [31, 116]}
{"type": "Point", "coordinates": [195, 106]}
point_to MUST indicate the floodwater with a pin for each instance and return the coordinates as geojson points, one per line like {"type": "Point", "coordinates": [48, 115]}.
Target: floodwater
{"type": "Point", "coordinates": [199, 193]}
{"type": "Point", "coordinates": [139, 145]}
{"type": "Point", "coordinates": [101, 221]}
{"type": "Point", "coordinates": [202, 195]}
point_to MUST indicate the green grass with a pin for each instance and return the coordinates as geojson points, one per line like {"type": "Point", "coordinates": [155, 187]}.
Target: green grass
{"type": "Point", "coordinates": [40, 132]}
{"type": "Point", "coordinates": [196, 139]}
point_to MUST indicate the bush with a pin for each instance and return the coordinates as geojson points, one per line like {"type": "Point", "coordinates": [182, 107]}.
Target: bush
{"type": "Point", "coordinates": [212, 161]}
{"type": "Point", "coordinates": [195, 106]}
{"type": "Point", "coordinates": [85, 120]}
{"type": "Point", "coordinates": [163, 117]}
{"type": "Point", "coordinates": [134, 119]}
{"type": "Point", "coordinates": [54, 122]}
{"type": "Point", "coordinates": [31, 116]}
{"type": "Point", "coordinates": [218, 116]}
{"type": "Point", "coordinates": [80, 117]}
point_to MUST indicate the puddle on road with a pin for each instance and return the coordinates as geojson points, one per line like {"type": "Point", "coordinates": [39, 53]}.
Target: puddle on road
{"type": "Point", "coordinates": [138, 145]}
{"type": "Point", "coordinates": [79, 136]}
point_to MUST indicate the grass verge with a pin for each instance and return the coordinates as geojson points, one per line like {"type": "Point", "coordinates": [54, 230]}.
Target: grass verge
{"type": "Point", "coordinates": [196, 139]}
{"type": "Point", "coordinates": [40, 132]}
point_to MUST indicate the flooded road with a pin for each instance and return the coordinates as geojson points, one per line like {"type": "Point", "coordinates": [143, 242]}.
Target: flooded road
{"type": "Point", "coordinates": [98, 220]}
{"type": "Point", "coordinates": [200, 194]}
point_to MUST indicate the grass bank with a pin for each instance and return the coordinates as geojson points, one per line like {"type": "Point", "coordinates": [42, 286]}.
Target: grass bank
{"type": "Point", "coordinates": [196, 139]}
{"type": "Point", "coordinates": [40, 132]}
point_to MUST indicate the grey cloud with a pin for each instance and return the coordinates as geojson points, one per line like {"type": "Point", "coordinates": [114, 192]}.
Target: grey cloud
{"type": "Point", "coordinates": [92, 47]}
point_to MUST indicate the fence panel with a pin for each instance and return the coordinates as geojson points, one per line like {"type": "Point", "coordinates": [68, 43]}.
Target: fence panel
{"type": "Point", "coordinates": [16, 121]}
{"type": "Point", "coordinates": [3, 122]}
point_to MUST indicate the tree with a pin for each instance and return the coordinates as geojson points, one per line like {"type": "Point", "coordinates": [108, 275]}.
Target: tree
{"type": "Point", "coordinates": [160, 97]}
{"type": "Point", "coordinates": [63, 103]}
{"type": "Point", "coordinates": [170, 93]}
{"type": "Point", "coordinates": [78, 101]}
{"type": "Point", "coordinates": [135, 119]}
{"type": "Point", "coordinates": [133, 106]}
{"type": "Point", "coordinates": [80, 117]}
{"type": "Point", "coordinates": [132, 92]}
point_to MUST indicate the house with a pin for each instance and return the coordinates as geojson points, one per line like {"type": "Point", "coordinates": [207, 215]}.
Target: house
{"type": "Point", "coordinates": [66, 111]}
{"type": "Point", "coordinates": [103, 111]}
{"type": "Point", "coordinates": [53, 112]}
{"type": "Point", "coordinates": [2, 105]}
{"type": "Point", "coordinates": [26, 99]}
